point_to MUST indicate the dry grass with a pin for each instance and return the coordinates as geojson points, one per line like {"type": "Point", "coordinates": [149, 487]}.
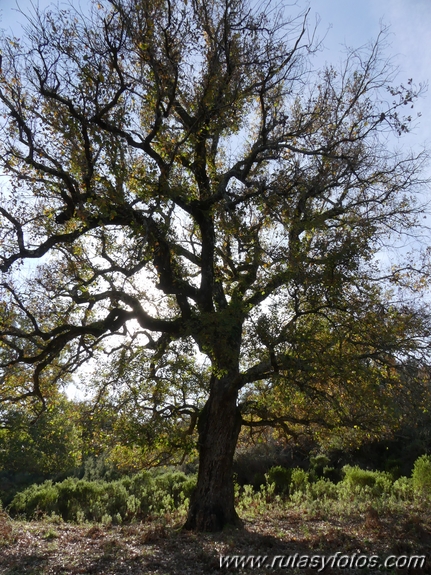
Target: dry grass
{"type": "Point", "coordinates": [162, 548]}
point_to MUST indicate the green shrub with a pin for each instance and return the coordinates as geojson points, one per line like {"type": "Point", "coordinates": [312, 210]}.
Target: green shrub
{"type": "Point", "coordinates": [36, 498]}
{"type": "Point", "coordinates": [133, 506]}
{"type": "Point", "coordinates": [80, 495]}
{"type": "Point", "coordinates": [251, 501]}
{"type": "Point", "coordinates": [299, 481]}
{"type": "Point", "coordinates": [356, 477]}
{"type": "Point", "coordinates": [107, 502]}
{"type": "Point", "coordinates": [106, 519]}
{"type": "Point", "coordinates": [322, 489]}
{"type": "Point", "coordinates": [402, 489]}
{"type": "Point", "coordinates": [12, 482]}
{"type": "Point", "coordinates": [141, 486]}
{"type": "Point", "coordinates": [319, 466]}
{"type": "Point", "coordinates": [383, 483]}
{"type": "Point", "coordinates": [115, 501]}
{"type": "Point", "coordinates": [373, 483]}
{"type": "Point", "coordinates": [421, 475]}
{"type": "Point", "coordinates": [280, 477]}
{"type": "Point", "coordinates": [139, 483]}
{"type": "Point", "coordinates": [176, 484]}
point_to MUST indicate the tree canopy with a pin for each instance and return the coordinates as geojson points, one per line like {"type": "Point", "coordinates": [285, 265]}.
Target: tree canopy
{"type": "Point", "coordinates": [182, 185]}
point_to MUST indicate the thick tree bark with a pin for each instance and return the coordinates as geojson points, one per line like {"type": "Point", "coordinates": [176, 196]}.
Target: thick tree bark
{"type": "Point", "coordinates": [212, 505]}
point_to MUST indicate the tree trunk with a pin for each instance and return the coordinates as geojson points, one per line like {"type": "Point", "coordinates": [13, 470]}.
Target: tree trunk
{"type": "Point", "coordinates": [212, 505]}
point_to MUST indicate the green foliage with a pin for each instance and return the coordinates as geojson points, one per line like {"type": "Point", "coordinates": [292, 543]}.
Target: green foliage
{"type": "Point", "coordinates": [176, 485]}
{"type": "Point", "coordinates": [356, 477]}
{"type": "Point", "coordinates": [299, 481]}
{"type": "Point", "coordinates": [51, 534]}
{"type": "Point", "coordinates": [40, 444]}
{"type": "Point", "coordinates": [322, 489]}
{"type": "Point", "coordinates": [402, 489]}
{"type": "Point", "coordinates": [253, 461]}
{"type": "Point", "coordinates": [359, 491]}
{"type": "Point", "coordinates": [158, 492]}
{"type": "Point", "coordinates": [421, 475]}
{"type": "Point", "coordinates": [374, 482]}
{"type": "Point", "coordinates": [99, 468]}
{"type": "Point", "coordinates": [34, 498]}
{"type": "Point", "coordinates": [127, 499]}
{"type": "Point", "coordinates": [13, 482]}
{"type": "Point", "coordinates": [280, 477]}
{"type": "Point", "coordinates": [252, 501]}
{"type": "Point", "coordinates": [319, 466]}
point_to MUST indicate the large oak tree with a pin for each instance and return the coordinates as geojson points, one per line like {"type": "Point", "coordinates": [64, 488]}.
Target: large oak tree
{"type": "Point", "coordinates": [189, 186]}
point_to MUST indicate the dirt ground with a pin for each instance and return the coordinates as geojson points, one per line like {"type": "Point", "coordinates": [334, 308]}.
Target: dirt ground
{"type": "Point", "coordinates": [161, 547]}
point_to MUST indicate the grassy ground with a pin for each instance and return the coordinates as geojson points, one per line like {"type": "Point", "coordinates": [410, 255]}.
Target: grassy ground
{"type": "Point", "coordinates": [160, 547]}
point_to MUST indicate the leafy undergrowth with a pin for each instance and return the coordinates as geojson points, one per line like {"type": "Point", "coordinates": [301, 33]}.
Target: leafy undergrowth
{"type": "Point", "coordinates": [159, 546]}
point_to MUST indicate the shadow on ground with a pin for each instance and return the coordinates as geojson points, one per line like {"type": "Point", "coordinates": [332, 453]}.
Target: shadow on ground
{"type": "Point", "coordinates": [155, 549]}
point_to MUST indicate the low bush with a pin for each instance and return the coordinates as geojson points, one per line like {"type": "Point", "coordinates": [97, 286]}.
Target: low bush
{"type": "Point", "coordinates": [107, 502]}
{"type": "Point", "coordinates": [280, 477]}
{"type": "Point", "coordinates": [375, 483]}
{"type": "Point", "coordinates": [152, 493]}
{"type": "Point", "coordinates": [299, 481]}
{"type": "Point", "coordinates": [12, 482]}
{"type": "Point", "coordinates": [322, 489]}
{"type": "Point", "coordinates": [402, 489]}
{"type": "Point", "coordinates": [356, 477]}
{"type": "Point", "coordinates": [421, 476]}
{"type": "Point", "coordinates": [35, 498]}
{"type": "Point", "coordinates": [319, 467]}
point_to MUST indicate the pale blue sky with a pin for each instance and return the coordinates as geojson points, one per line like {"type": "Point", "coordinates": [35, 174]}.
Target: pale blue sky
{"type": "Point", "coordinates": [357, 22]}
{"type": "Point", "coordinates": [345, 22]}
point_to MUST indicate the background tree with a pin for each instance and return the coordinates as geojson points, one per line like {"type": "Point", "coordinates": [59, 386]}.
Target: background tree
{"type": "Point", "coordinates": [186, 183]}
{"type": "Point", "coordinates": [35, 446]}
